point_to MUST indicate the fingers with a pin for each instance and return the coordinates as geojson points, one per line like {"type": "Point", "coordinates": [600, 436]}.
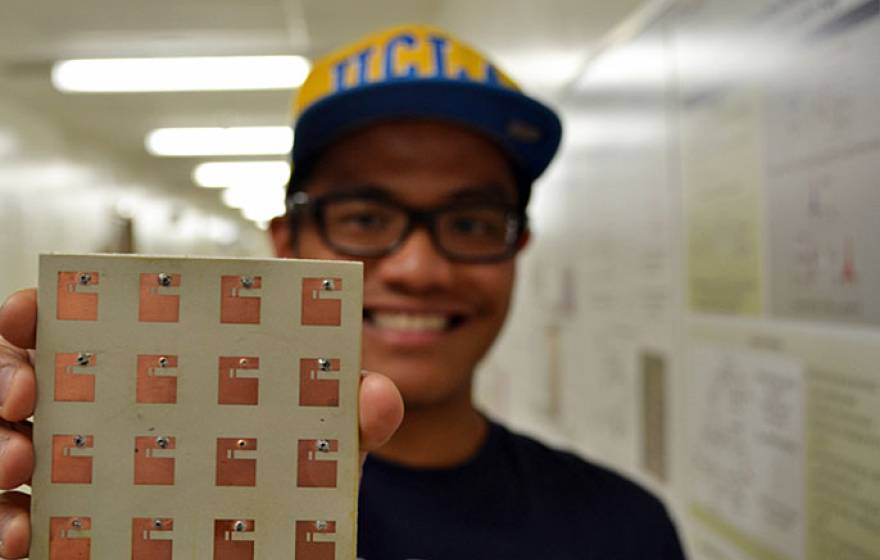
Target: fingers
{"type": "Point", "coordinates": [18, 319]}
{"type": "Point", "coordinates": [16, 455]}
{"type": "Point", "coordinates": [18, 322]}
{"type": "Point", "coordinates": [15, 525]}
{"type": "Point", "coordinates": [17, 383]}
{"type": "Point", "coordinates": [381, 410]}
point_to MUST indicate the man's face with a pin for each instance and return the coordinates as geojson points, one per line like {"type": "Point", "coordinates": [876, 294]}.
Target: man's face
{"type": "Point", "coordinates": [427, 320]}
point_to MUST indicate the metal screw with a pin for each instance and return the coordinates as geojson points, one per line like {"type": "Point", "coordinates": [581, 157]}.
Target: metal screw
{"type": "Point", "coordinates": [323, 445]}
{"type": "Point", "coordinates": [321, 525]}
{"type": "Point", "coordinates": [243, 362]}
{"type": "Point", "coordinates": [328, 284]}
{"type": "Point", "coordinates": [324, 364]}
{"type": "Point", "coordinates": [157, 523]}
{"type": "Point", "coordinates": [83, 358]}
{"type": "Point", "coordinates": [239, 526]}
{"type": "Point", "coordinates": [247, 282]}
{"type": "Point", "coordinates": [164, 279]}
{"type": "Point", "coordinates": [162, 442]}
{"type": "Point", "coordinates": [242, 443]}
{"type": "Point", "coordinates": [76, 523]}
{"type": "Point", "coordinates": [84, 278]}
{"type": "Point", "coordinates": [79, 441]}
{"type": "Point", "coordinates": [163, 361]}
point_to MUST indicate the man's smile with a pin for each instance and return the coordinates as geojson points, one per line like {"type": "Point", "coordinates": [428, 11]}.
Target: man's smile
{"type": "Point", "coordinates": [411, 326]}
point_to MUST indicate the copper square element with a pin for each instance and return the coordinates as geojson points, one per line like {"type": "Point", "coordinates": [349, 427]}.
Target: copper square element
{"type": "Point", "coordinates": [150, 467]}
{"type": "Point", "coordinates": [238, 301]}
{"type": "Point", "coordinates": [75, 300]}
{"type": "Point", "coordinates": [314, 540]}
{"type": "Point", "coordinates": [156, 379]}
{"type": "Point", "coordinates": [159, 303]}
{"type": "Point", "coordinates": [68, 538]}
{"type": "Point", "coordinates": [70, 462]}
{"type": "Point", "coordinates": [232, 539]}
{"type": "Point", "coordinates": [320, 303]}
{"type": "Point", "coordinates": [315, 468]}
{"type": "Point", "coordinates": [232, 386]}
{"type": "Point", "coordinates": [151, 538]}
{"type": "Point", "coordinates": [235, 463]}
{"type": "Point", "coordinates": [315, 389]}
{"type": "Point", "coordinates": [74, 381]}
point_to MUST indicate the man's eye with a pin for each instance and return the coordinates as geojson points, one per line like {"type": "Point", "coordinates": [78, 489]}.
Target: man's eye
{"type": "Point", "coordinates": [364, 220]}
{"type": "Point", "coordinates": [476, 226]}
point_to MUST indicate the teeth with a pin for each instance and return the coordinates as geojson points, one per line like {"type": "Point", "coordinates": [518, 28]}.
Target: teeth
{"type": "Point", "coordinates": [409, 322]}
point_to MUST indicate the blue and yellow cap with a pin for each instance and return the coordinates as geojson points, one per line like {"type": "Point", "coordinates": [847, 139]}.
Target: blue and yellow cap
{"type": "Point", "coordinates": [421, 71]}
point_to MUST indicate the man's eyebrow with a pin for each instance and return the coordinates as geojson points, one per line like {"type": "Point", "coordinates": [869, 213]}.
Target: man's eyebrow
{"type": "Point", "coordinates": [481, 193]}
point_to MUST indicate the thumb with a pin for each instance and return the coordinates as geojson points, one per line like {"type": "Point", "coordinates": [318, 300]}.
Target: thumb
{"type": "Point", "coordinates": [380, 411]}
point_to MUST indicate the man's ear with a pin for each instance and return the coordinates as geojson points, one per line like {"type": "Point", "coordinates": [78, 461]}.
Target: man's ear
{"type": "Point", "coordinates": [523, 240]}
{"type": "Point", "coordinates": [282, 237]}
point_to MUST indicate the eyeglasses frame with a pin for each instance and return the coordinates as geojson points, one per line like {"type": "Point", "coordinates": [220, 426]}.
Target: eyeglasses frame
{"type": "Point", "coordinates": [300, 202]}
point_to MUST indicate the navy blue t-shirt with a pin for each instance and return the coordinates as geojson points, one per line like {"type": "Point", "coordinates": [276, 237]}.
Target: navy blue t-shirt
{"type": "Point", "coordinates": [515, 500]}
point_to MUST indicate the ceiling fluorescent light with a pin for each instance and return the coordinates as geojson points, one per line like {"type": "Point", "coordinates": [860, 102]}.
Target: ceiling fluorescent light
{"type": "Point", "coordinates": [236, 141]}
{"type": "Point", "coordinates": [221, 174]}
{"type": "Point", "coordinates": [215, 73]}
{"type": "Point", "coordinates": [627, 68]}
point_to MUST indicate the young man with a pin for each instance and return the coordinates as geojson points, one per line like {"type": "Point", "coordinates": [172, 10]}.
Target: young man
{"type": "Point", "coordinates": [416, 155]}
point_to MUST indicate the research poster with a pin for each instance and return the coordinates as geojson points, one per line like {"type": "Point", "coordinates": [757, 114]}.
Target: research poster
{"type": "Point", "coordinates": [748, 448]}
{"type": "Point", "coordinates": [816, 411]}
{"type": "Point", "coordinates": [722, 171]}
{"type": "Point", "coordinates": [823, 153]}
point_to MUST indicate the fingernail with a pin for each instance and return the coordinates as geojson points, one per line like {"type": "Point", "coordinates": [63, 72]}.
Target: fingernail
{"type": "Point", "coordinates": [7, 373]}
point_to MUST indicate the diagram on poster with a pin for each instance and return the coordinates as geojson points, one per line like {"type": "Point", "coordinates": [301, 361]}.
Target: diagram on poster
{"type": "Point", "coordinates": [822, 241]}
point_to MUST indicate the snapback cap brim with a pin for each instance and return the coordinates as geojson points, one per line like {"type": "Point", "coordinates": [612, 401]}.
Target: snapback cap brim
{"type": "Point", "coordinates": [528, 131]}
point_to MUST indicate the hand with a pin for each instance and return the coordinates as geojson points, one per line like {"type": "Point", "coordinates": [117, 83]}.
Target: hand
{"type": "Point", "coordinates": [381, 411]}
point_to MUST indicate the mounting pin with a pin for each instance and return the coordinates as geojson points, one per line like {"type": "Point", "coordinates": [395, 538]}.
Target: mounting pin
{"type": "Point", "coordinates": [324, 364]}
{"type": "Point", "coordinates": [328, 284]}
{"type": "Point", "coordinates": [76, 523]}
{"type": "Point", "coordinates": [239, 526]}
{"type": "Point", "coordinates": [83, 358]}
{"type": "Point", "coordinates": [164, 279]}
{"type": "Point", "coordinates": [84, 278]}
{"type": "Point", "coordinates": [157, 523]}
{"type": "Point", "coordinates": [321, 525]}
{"type": "Point", "coordinates": [163, 361]}
{"type": "Point", "coordinates": [162, 442]}
{"type": "Point", "coordinates": [79, 441]}
{"type": "Point", "coordinates": [247, 282]}
{"type": "Point", "coordinates": [243, 362]}
{"type": "Point", "coordinates": [323, 445]}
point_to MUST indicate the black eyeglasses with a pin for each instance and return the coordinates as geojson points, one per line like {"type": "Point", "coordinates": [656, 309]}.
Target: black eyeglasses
{"type": "Point", "coordinates": [371, 225]}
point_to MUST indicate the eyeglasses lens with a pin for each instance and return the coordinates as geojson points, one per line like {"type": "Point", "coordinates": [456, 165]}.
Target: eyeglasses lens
{"type": "Point", "coordinates": [363, 225]}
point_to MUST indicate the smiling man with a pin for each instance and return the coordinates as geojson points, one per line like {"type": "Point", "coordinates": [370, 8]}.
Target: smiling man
{"type": "Point", "coordinates": [416, 155]}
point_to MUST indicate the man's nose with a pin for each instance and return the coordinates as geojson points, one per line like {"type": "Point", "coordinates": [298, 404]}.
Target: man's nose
{"type": "Point", "coordinates": [416, 265]}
